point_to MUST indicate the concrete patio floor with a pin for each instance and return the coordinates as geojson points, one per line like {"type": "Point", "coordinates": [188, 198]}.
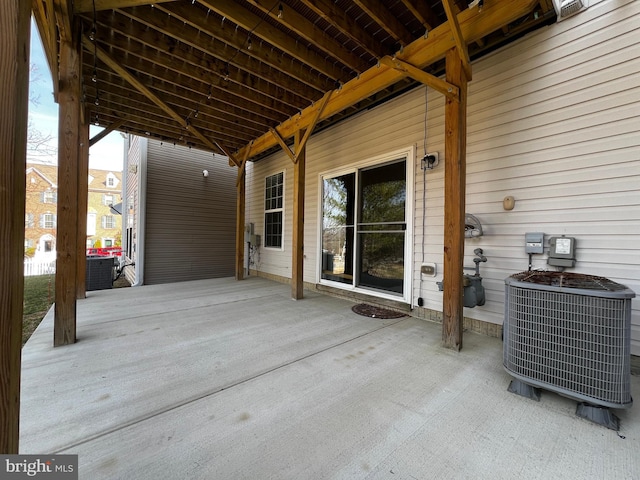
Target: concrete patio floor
{"type": "Point", "coordinates": [220, 379]}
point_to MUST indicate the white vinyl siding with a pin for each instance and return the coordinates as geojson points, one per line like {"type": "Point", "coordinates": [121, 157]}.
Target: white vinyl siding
{"type": "Point", "coordinates": [553, 120]}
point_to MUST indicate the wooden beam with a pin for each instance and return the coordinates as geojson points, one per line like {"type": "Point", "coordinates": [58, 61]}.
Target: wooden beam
{"type": "Point", "coordinates": [421, 76]}
{"type": "Point", "coordinates": [421, 53]}
{"type": "Point", "coordinates": [137, 84]}
{"type": "Point", "coordinates": [64, 329]}
{"type": "Point", "coordinates": [283, 144]}
{"type": "Point", "coordinates": [107, 130]}
{"type": "Point", "coordinates": [232, 158]}
{"type": "Point", "coordinates": [14, 92]}
{"type": "Point", "coordinates": [455, 121]}
{"type": "Point", "coordinates": [83, 194]}
{"type": "Point", "coordinates": [463, 51]}
{"type": "Point", "coordinates": [241, 168]}
{"type": "Point", "coordinates": [64, 16]}
{"type": "Point", "coordinates": [240, 214]}
{"type": "Point", "coordinates": [86, 6]}
{"type": "Point", "coordinates": [300, 147]}
{"type": "Point", "coordinates": [297, 243]}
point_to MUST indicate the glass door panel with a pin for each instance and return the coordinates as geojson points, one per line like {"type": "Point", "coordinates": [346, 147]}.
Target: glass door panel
{"type": "Point", "coordinates": [338, 207]}
{"type": "Point", "coordinates": [381, 227]}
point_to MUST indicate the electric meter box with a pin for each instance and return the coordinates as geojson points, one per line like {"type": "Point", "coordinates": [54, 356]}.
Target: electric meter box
{"type": "Point", "coordinates": [534, 242]}
{"type": "Point", "coordinates": [562, 251]}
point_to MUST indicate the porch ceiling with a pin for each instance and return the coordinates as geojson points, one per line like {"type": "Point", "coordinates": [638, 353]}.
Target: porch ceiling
{"type": "Point", "coordinates": [217, 75]}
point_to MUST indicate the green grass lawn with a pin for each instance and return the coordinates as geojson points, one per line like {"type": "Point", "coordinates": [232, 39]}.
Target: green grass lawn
{"type": "Point", "coordinates": [38, 296]}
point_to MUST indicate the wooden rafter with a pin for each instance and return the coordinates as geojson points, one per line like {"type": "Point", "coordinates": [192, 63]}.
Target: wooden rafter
{"type": "Point", "coordinates": [308, 31]}
{"type": "Point", "coordinates": [114, 126]}
{"type": "Point", "coordinates": [116, 67]}
{"type": "Point", "coordinates": [420, 53]}
{"type": "Point", "coordinates": [343, 22]}
{"type": "Point", "coordinates": [379, 12]}
{"type": "Point", "coordinates": [206, 61]}
{"type": "Point", "coordinates": [192, 67]}
{"type": "Point", "coordinates": [458, 37]}
{"type": "Point", "coordinates": [423, 12]}
{"type": "Point", "coordinates": [195, 56]}
{"type": "Point", "coordinates": [229, 120]}
{"type": "Point", "coordinates": [421, 76]}
{"type": "Point", "coordinates": [83, 6]}
{"type": "Point", "coordinates": [262, 30]}
{"type": "Point", "coordinates": [222, 39]}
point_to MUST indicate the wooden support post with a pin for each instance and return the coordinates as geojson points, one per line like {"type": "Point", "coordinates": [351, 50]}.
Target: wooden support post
{"type": "Point", "coordinates": [83, 194]}
{"type": "Point", "coordinates": [240, 212]}
{"type": "Point", "coordinates": [64, 330]}
{"type": "Point", "coordinates": [454, 202]}
{"type": "Point", "coordinates": [15, 17]}
{"type": "Point", "coordinates": [297, 261]}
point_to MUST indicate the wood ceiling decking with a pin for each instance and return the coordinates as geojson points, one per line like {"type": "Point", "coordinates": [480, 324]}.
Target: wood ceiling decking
{"type": "Point", "coordinates": [218, 74]}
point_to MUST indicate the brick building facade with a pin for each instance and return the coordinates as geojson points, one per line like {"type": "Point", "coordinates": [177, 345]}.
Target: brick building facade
{"type": "Point", "coordinates": [104, 226]}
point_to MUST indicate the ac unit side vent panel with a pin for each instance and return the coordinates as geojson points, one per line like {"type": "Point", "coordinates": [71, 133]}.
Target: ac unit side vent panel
{"type": "Point", "coordinates": [567, 8]}
{"type": "Point", "coordinates": [568, 341]}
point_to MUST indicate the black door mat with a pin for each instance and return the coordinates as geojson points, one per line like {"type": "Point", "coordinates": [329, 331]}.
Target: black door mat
{"type": "Point", "coordinates": [372, 311]}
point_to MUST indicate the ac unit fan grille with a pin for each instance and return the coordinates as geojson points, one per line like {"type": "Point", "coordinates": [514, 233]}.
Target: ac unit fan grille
{"type": "Point", "coordinates": [576, 345]}
{"type": "Point", "coordinates": [570, 8]}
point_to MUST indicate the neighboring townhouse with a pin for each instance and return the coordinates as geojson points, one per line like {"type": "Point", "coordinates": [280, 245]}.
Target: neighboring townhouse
{"type": "Point", "coordinates": [104, 225]}
{"type": "Point", "coordinates": [179, 213]}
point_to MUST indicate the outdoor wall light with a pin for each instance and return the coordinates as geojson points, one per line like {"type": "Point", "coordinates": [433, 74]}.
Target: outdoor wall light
{"type": "Point", "coordinates": [205, 173]}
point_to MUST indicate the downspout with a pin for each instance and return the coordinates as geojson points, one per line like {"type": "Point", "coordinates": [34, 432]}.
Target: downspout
{"type": "Point", "coordinates": [142, 213]}
{"type": "Point", "coordinates": [125, 211]}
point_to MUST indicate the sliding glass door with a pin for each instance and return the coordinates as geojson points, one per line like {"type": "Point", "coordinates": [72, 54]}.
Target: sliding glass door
{"type": "Point", "coordinates": [364, 227]}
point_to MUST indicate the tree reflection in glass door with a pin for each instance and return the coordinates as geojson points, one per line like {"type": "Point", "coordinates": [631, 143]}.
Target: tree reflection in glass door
{"type": "Point", "coordinates": [378, 201]}
{"type": "Point", "coordinates": [337, 228]}
{"type": "Point", "coordinates": [381, 227]}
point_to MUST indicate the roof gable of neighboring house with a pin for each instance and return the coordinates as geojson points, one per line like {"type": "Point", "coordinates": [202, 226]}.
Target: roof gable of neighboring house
{"type": "Point", "coordinates": [45, 175]}
{"type": "Point", "coordinates": [98, 180]}
{"type": "Point", "coordinates": [104, 180]}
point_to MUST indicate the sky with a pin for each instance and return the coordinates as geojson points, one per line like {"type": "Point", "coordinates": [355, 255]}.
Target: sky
{"type": "Point", "coordinates": [107, 154]}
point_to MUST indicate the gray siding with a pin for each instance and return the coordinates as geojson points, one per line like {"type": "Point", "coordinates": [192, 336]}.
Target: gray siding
{"type": "Point", "coordinates": [190, 219]}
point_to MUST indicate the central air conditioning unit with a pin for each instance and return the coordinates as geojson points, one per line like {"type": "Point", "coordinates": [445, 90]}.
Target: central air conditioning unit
{"type": "Point", "coordinates": [570, 333]}
{"type": "Point", "coordinates": [568, 8]}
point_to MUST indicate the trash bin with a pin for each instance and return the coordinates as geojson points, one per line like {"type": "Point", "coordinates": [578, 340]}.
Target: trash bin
{"type": "Point", "coordinates": [99, 272]}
